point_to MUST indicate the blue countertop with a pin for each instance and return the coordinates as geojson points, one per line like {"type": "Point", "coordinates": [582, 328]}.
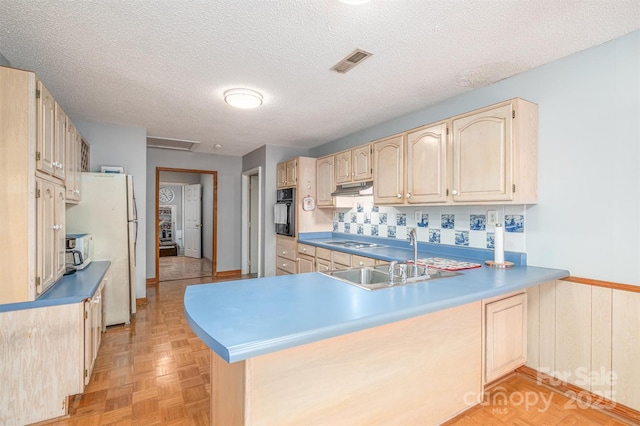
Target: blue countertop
{"type": "Point", "coordinates": [72, 288]}
{"type": "Point", "coordinates": [247, 318]}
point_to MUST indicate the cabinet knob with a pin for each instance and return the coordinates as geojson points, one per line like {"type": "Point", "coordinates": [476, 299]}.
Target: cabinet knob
{"type": "Point", "coordinates": [304, 250]}
{"type": "Point", "coordinates": [408, 195]}
{"type": "Point", "coordinates": [454, 192]}
{"type": "Point", "coordinates": [398, 195]}
{"type": "Point", "coordinates": [361, 263]}
{"type": "Point", "coordinates": [284, 252]}
{"type": "Point", "coordinates": [284, 265]}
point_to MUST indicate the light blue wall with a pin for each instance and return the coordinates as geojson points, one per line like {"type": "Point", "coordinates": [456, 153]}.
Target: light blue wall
{"type": "Point", "coordinates": [4, 61]}
{"type": "Point", "coordinates": [114, 145]}
{"type": "Point", "coordinates": [229, 201]}
{"type": "Point", "coordinates": [268, 157]}
{"type": "Point", "coordinates": [588, 210]}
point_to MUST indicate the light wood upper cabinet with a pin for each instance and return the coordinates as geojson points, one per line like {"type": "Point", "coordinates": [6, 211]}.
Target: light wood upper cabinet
{"type": "Point", "coordinates": [325, 181]}
{"type": "Point", "coordinates": [281, 172]}
{"type": "Point", "coordinates": [60, 231]}
{"type": "Point", "coordinates": [388, 170]}
{"type": "Point", "coordinates": [287, 173]}
{"type": "Point", "coordinates": [292, 172]}
{"type": "Point", "coordinates": [60, 143]}
{"type": "Point", "coordinates": [361, 158]}
{"type": "Point", "coordinates": [45, 121]}
{"type": "Point", "coordinates": [426, 168]}
{"type": "Point", "coordinates": [74, 146]}
{"type": "Point", "coordinates": [45, 235]}
{"type": "Point", "coordinates": [31, 183]}
{"type": "Point", "coordinates": [495, 154]}
{"type": "Point", "coordinates": [353, 165]}
{"type": "Point", "coordinates": [50, 234]}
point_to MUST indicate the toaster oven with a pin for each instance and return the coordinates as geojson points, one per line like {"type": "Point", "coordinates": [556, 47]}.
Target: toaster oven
{"type": "Point", "coordinates": [79, 250]}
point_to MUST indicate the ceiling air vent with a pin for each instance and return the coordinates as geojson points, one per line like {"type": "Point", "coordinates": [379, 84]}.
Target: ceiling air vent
{"type": "Point", "coordinates": [176, 144]}
{"type": "Point", "coordinates": [353, 59]}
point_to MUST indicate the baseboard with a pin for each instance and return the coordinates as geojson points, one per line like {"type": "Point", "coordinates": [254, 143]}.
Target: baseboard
{"type": "Point", "coordinates": [152, 282]}
{"type": "Point", "coordinates": [235, 273]}
{"type": "Point", "coordinates": [142, 301]}
{"type": "Point", "coordinates": [597, 401]}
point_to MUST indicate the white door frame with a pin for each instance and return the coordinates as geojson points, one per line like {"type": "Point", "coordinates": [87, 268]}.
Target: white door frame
{"type": "Point", "coordinates": [245, 219]}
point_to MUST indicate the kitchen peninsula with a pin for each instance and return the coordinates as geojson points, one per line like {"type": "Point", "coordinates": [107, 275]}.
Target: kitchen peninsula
{"type": "Point", "coordinates": [307, 348]}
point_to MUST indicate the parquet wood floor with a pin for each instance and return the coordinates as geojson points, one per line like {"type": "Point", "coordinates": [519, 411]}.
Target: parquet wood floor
{"type": "Point", "coordinates": [183, 267]}
{"type": "Point", "coordinates": [155, 371]}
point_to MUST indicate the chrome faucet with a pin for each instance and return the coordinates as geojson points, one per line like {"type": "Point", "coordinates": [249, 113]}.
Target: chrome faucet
{"type": "Point", "coordinates": [413, 240]}
{"type": "Point", "coordinates": [392, 272]}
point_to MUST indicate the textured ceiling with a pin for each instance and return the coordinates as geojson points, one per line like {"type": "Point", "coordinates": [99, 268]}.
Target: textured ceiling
{"type": "Point", "coordinates": [164, 64]}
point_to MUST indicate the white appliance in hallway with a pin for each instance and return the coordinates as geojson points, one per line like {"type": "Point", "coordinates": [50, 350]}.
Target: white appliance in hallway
{"type": "Point", "coordinates": [108, 212]}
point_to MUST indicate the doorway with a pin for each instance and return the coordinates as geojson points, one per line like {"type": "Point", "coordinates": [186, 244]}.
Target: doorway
{"type": "Point", "coordinates": [252, 223]}
{"type": "Point", "coordinates": [186, 223]}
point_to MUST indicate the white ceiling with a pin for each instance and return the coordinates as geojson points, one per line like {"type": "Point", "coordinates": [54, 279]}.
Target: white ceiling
{"type": "Point", "coordinates": [164, 64]}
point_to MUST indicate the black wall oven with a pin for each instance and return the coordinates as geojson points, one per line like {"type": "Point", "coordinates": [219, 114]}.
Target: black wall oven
{"type": "Point", "coordinates": [285, 212]}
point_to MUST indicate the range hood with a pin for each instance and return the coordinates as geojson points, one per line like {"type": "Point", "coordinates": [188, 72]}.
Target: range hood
{"type": "Point", "coordinates": [353, 189]}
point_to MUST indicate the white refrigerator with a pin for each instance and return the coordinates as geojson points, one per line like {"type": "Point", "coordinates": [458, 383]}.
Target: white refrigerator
{"type": "Point", "coordinates": [107, 210]}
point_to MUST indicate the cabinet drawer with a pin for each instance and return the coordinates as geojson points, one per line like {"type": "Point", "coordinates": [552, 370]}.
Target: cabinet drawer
{"type": "Point", "coordinates": [287, 265]}
{"type": "Point", "coordinates": [323, 253]}
{"type": "Point", "coordinates": [306, 249]}
{"type": "Point", "coordinates": [362, 261]}
{"type": "Point", "coordinates": [343, 259]}
{"type": "Point", "coordinates": [286, 248]}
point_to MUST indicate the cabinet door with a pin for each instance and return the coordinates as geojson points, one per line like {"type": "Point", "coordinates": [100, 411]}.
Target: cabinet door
{"type": "Point", "coordinates": [292, 172]}
{"type": "Point", "coordinates": [426, 165]}
{"type": "Point", "coordinates": [482, 146]}
{"type": "Point", "coordinates": [72, 181]}
{"type": "Point", "coordinates": [60, 143]}
{"type": "Point", "coordinates": [325, 181]}
{"type": "Point", "coordinates": [305, 264]}
{"type": "Point", "coordinates": [323, 265]}
{"type": "Point", "coordinates": [45, 235]}
{"type": "Point", "coordinates": [59, 231]}
{"type": "Point", "coordinates": [282, 174]}
{"type": "Point", "coordinates": [505, 336]}
{"type": "Point", "coordinates": [343, 167]}
{"type": "Point", "coordinates": [88, 339]}
{"type": "Point", "coordinates": [45, 134]}
{"type": "Point", "coordinates": [361, 158]}
{"type": "Point", "coordinates": [388, 171]}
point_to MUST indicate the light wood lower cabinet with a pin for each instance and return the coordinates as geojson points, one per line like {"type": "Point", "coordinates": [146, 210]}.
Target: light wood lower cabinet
{"type": "Point", "coordinates": [94, 326]}
{"type": "Point", "coordinates": [505, 335]}
{"type": "Point", "coordinates": [47, 354]}
{"type": "Point", "coordinates": [286, 255]}
{"type": "Point", "coordinates": [340, 260]}
{"type": "Point", "coordinates": [422, 370]}
{"type": "Point", "coordinates": [306, 264]}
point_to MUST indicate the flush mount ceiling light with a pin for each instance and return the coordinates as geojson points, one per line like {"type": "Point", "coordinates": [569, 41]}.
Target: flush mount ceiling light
{"type": "Point", "coordinates": [354, 2]}
{"type": "Point", "coordinates": [243, 98]}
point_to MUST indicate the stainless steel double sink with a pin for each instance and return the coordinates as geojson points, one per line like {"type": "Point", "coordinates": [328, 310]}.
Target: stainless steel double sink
{"type": "Point", "coordinates": [378, 277]}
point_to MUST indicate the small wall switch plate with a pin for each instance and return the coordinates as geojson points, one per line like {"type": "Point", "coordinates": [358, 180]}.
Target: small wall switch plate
{"type": "Point", "coordinates": [417, 215]}
{"type": "Point", "coordinates": [492, 217]}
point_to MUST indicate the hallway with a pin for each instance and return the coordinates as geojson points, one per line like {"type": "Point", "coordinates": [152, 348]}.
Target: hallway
{"type": "Point", "coordinates": [182, 267]}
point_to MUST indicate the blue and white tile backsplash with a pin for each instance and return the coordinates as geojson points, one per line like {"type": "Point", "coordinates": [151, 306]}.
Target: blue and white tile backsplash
{"type": "Point", "coordinates": [453, 225]}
